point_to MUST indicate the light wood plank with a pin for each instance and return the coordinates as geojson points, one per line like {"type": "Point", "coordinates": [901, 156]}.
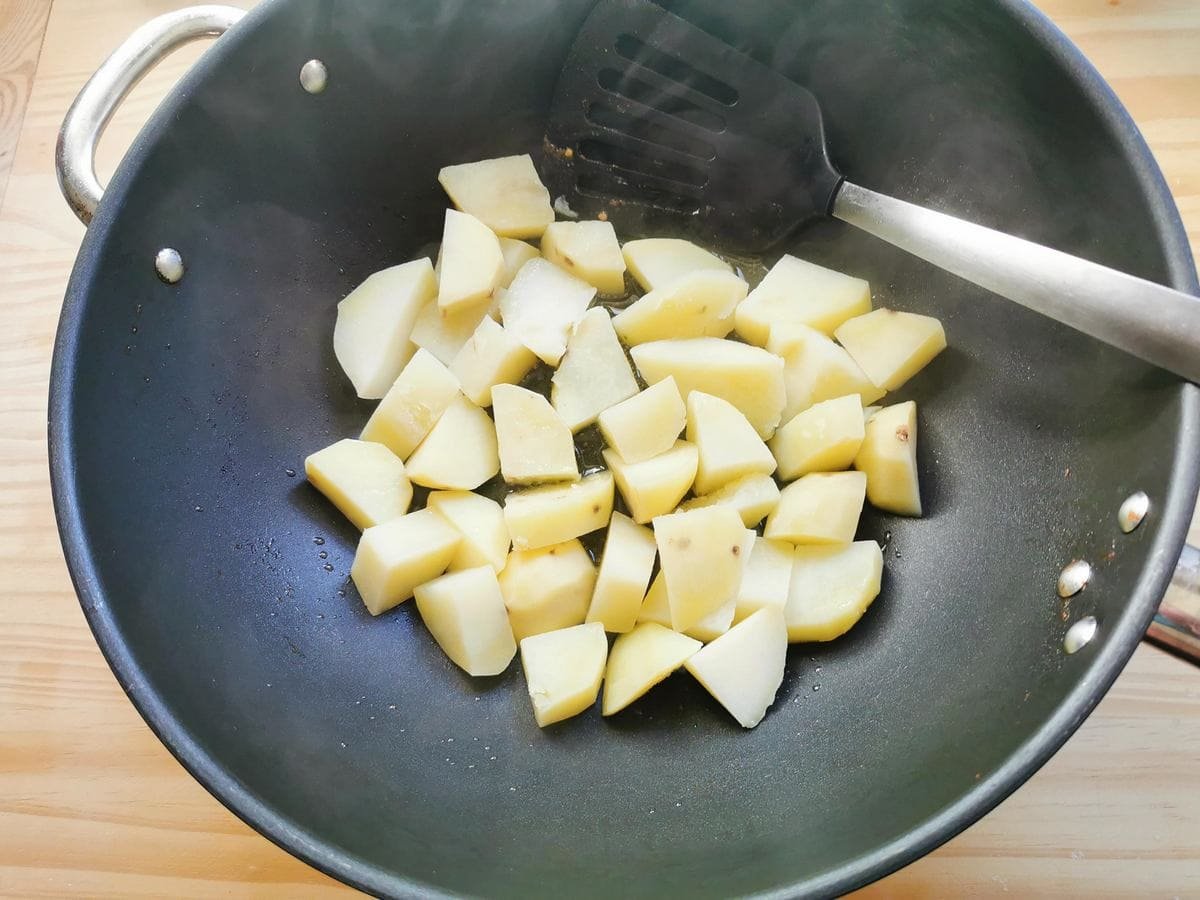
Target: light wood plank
{"type": "Point", "coordinates": [22, 25]}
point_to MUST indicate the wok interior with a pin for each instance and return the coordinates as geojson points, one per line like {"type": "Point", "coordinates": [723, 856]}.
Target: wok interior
{"type": "Point", "coordinates": [360, 731]}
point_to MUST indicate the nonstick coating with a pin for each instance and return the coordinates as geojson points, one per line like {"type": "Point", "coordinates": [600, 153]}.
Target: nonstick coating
{"type": "Point", "coordinates": [179, 413]}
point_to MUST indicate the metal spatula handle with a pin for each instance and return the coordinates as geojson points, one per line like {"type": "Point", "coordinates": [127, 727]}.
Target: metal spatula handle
{"type": "Point", "coordinates": [1156, 323]}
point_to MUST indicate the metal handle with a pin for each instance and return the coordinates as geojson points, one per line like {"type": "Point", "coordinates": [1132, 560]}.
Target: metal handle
{"type": "Point", "coordinates": [75, 155]}
{"type": "Point", "coordinates": [1177, 623]}
{"type": "Point", "coordinates": [1156, 323]}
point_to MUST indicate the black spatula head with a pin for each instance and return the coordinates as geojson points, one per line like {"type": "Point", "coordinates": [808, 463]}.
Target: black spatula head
{"type": "Point", "coordinates": [662, 126]}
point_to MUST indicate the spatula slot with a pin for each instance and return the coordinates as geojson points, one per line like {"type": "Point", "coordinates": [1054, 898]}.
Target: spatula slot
{"type": "Point", "coordinates": [675, 69]}
{"type": "Point", "coordinates": [622, 158]}
{"type": "Point", "coordinates": [643, 129]}
{"type": "Point", "coordinates": [635, 89]}
{"type": "Point", "coordinates": [617, 189]}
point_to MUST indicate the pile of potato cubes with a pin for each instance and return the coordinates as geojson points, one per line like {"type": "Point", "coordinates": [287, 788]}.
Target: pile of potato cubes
{"type": "Point", "coordinates": [782, 404]}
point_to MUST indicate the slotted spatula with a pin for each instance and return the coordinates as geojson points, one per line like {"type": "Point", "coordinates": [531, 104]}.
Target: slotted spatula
{"type": "Point", "coordinates": [653, 113]}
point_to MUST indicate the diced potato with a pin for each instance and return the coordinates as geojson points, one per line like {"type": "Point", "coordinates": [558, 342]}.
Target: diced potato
{"type": "Point", "coordinates": [766, 578]}
{"type": "Point", "coordinates": [831, 588]}
{"type": "Point", "coordinates": [535, 444]}
{"type": "Point", "coordinates": [541, 306]}
{"type": "Point", "coordinates": [753, 497]}
{"type": "Point", "coordinates": [698, 304]}
{"type": "Point", "coordinates": [820, 508]}
{"type": "Point", "coordinates": [365, 481]}
{"type": "Point", "coordinates": [654, 486]}
{"type": "Point", "coordinates": [889, 460]}
{"type": "Point", "coordinates": [646, 424]}
{"type": "Point", "coordinates": [892, 346]}
{"type": "Point", "coordinates": [817, 369]}
{"type": "Point", "coordinates": [491, 356]}
{"type": "Point", "coordinates": [625, 567]}
{"type": "Point", "coordinates": [748, 377]}
{"type": "Point", "coordinates": [701, 556]}
{"type": "Point", "coordinates": [470, 264]}
{"type": "Point", "coordinates": [728, 445]}
{"type": "Point", "coordinates": [504, 193]}
{"type": "Point", "coordinates": [715, 623]}
{"type": "Point", "coordinates": [516, 254]}
{"type": "Point", "coordinates": [641, 659]}
{"type": "Point", "coordinates": [563, 670]}
{"type": "Point", "coordinates": [800, 292]}
{"type": "Point", "coordinates": [465, 613]}
{"type": "Point", "coordinates": [743, 668]}
{"type": "Point", "coordinates": [823, 438]}
{"type": "Point", "coordinates": [656, 608]}
{"type": "Point", "coordinates": [869, 411]}
{"type": "Point", "coordinates": [460, 453]}
{"type": "Point", "coordinates": [656, 261]}
{"type": "Point", "coordinates": [588, 250]}
{"type": "Point", "coordinates": [547, 588]}
{"type": "Point", "coordinates": [445, 332]}
{"type": "Point", "coordinates": [412, 405]}
{"type": "Point", "coordinates": [480, 521]}
{"type": "Point", "coordinates": [594, 374]}
{"type": "Point", "coordinates": [395, 557]}
{"type": "Point", "coordinates": [374, 322]}
{"type": "Point", "coordinates": [554, 513]}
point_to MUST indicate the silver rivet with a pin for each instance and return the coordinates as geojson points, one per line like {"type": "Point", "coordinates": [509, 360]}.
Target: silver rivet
{"type": "Point", "coordinates": [314, 76]}
{"type": "Point", "coordinates": [1074, 578]}
{"type": "Point", "coordinates": [1080, 634]}
{"type": "Point", "coordinates": [169, 265]}
{"type": "Point", "coordinates": [1133, 510]}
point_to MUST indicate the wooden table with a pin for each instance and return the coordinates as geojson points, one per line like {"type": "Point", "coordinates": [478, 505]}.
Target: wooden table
{"type": "Point", "coordinates": [91, 804]}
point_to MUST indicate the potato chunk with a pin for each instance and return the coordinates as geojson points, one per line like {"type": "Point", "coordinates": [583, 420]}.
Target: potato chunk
{"type": "Point", "coordinates": [542, 305]}
{"type": "Point", "coordinates": [820, 508]}
{"type": "Point", "coordinates": [593, 375]}
{"type": "Point", "coordinates": [701, 556]}
{"type": "Point", "coordinates": [395, 557]}
{"type": "Point", "coordinates": [743, 668]}
{"type": "Point", "coordinates": [766, 578]}
{"type": "Point", "coordinates": [588, 250]}
{"type": "Point", "coordinates": [444, 332]}
{"type": "Point", "coordinates": [625, 568]}
{"type": "Point", "coordinates": [656, 608]}
{"type": "Point", "coordinates": [646, 424]}
{"type": "Point", "coordinates": [753, 497]}
{"type": "Point", "coordinates": [465, 613]}
{"type": "Point", "coordinates": [889, 460]}
{"type": "Point", "coordinates": [554, 513]}
{"type": "Point", "coordinates": [412, 405]}
{"type": "Point", "coordinates": [891, 346]}
{"type": "Point", "coordinates": [641, 659]}
{"type": "Point", "coordinates": [823, 438]}
{"type": "Point", "coordinates": [656, 261]}
{"type": "Point", "coordinates": [480, 521]}
{"type": "Point", "coordinates": [535, 444]}
{"type": "Point", "coordinates": [516, 254]}
{"type": "Point", "coordinates": [728, 445]}
{"type": "Point", "coordinates": [748, 377]}
{"type": "Point", "coordinates": [374, 321]}
{"type": "Point", "coordinates": [365, 481]}
{"type": "Point", "coordinates": [799, 292]}
{"type": "Point", "coordinates": [817, 369]}
{"type": "Point", "coordinates": [831, 588]}
{"type": "Point", "coordinates": [460, 452]}
{"type": "Point", "coordinates": [504, 193]}
{"type": "Point", "coordinates": [698, 304]}
{"type": "Point", "coordinates": [547, 588]}
{"type": "Point", "coordinates": [491, 356]}
{"type": "Point", "coordinates": [563, 670]}
{"type": "Point", "coordinates": [470, 265]}
{"type": "Point", "coordinates": [654, 486]}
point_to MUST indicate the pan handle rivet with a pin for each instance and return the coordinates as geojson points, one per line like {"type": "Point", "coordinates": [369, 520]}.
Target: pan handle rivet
{"type": "Point", "coordinates": [1074, 578]}
{"type": "Point", "coordinates": [169, 265]}
{"type": "Point", "coordinates": [1133, 510]}
{"type": "Point", "coordinates": [314, 76]}
{"type": "Point", "coordinates": [1080, 634]}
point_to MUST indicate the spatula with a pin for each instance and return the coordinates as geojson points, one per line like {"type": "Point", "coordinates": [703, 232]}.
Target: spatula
{"type": "Point", "coordinates": [655, 114]}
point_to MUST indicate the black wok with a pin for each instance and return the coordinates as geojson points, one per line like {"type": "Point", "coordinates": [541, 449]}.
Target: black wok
{"type": "Point", "coordinates": [180, 413]}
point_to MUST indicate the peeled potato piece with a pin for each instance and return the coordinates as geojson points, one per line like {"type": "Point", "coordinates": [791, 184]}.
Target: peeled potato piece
{"type": "Point", "coordinates": [795, 291]}
{"type": "Point", "coordinates": [892, 346]}
{"type": "Point", "coordinates": [743, 668]}
{"type": "Point", "coordinates": [444, 332]}
{"type": "Point", "coordinates": [816, 369]}
{"type": "Point", "coordinates": [831, 588]}
{"type": "Point", "coordinates": [656, 261]}
{"type": "Point", "coordinates": [460, 452]}
{"type": "Point", "coordinates": [698, 304]}
{"type": "Point", "coordinates": [593, 374]}
{"type": "Point", "coordinates": [516, 254]}
{"type": "Point", "coordinates": [588, 250]}
{"type": "Point", "coordinates": [470, 265]}
{"type": "Point", "coordinates": [535, 444]}
{"type": "Point", "coordinates": [766, 578]}
{"type": "Point", "coordinates": [547, 588]}
{"type": "Point", "coordinates": [563, 670]}
{"type": "Point", "coordinates": [625, 567]}
{"type": "Point", "coordinates": [540, 516]}
{"type": "Point", "coordinates": [820, 508]}
{"type": "Point", "coordinates": [480, 521]}
{"type": "Point", "coordinates": [888, 458]}
{"type": "Point", "coordinates": [823, 438]}
{"type": "Point", "coordinates": [646, 424]}
{"type": "Point", "coordinates": [365, 481]}
{"type": "Point", "coordinates": [504, 193]}
{"type": "Point", "coordinates": [491, 356]}
{"type": "Point", "coordinates": [465, 613]}
{"type": "Point", "coordinates": [654, 486]}
{"type": "Point", "coordinates": [656, 608]}
{"type": "Point", "coordinates": [701, 556]}
{"type": "Point", "coordinates": [641, 659]}
{"type": "Point", "coordinates": [542, 305]}
{"type": "Point", "coordinates": [412, 405]}
{"type": "Point", "coordinates": [753, 497]}
{"type": "Point", "coordinates": [727, 443]}
{"type": "Point", "coordinates": [395, 557]}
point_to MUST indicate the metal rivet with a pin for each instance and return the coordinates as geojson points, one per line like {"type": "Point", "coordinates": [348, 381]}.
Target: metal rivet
{"type": "Point", "coordinates": [1074, 578]}
{"type": "Point", "coordinates": [314, 76]}
{"type": "Point", "coordinates": [169, 265]}
{"type": "Point", "coordinates": [1080, 634]}
{"type": "Point", "coordinates": [1133, 510]}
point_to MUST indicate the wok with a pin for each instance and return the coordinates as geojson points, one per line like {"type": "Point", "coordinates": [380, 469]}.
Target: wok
{"type": "Point", "coordinates": [180, 413]}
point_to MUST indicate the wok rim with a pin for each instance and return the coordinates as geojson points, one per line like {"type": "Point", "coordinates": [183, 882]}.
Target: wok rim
{"type": "Point", "coordinates": [1175, 515]}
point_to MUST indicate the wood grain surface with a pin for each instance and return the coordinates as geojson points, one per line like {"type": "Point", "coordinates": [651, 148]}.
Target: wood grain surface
{"type": "Point", "coordinates": [92, 805]}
